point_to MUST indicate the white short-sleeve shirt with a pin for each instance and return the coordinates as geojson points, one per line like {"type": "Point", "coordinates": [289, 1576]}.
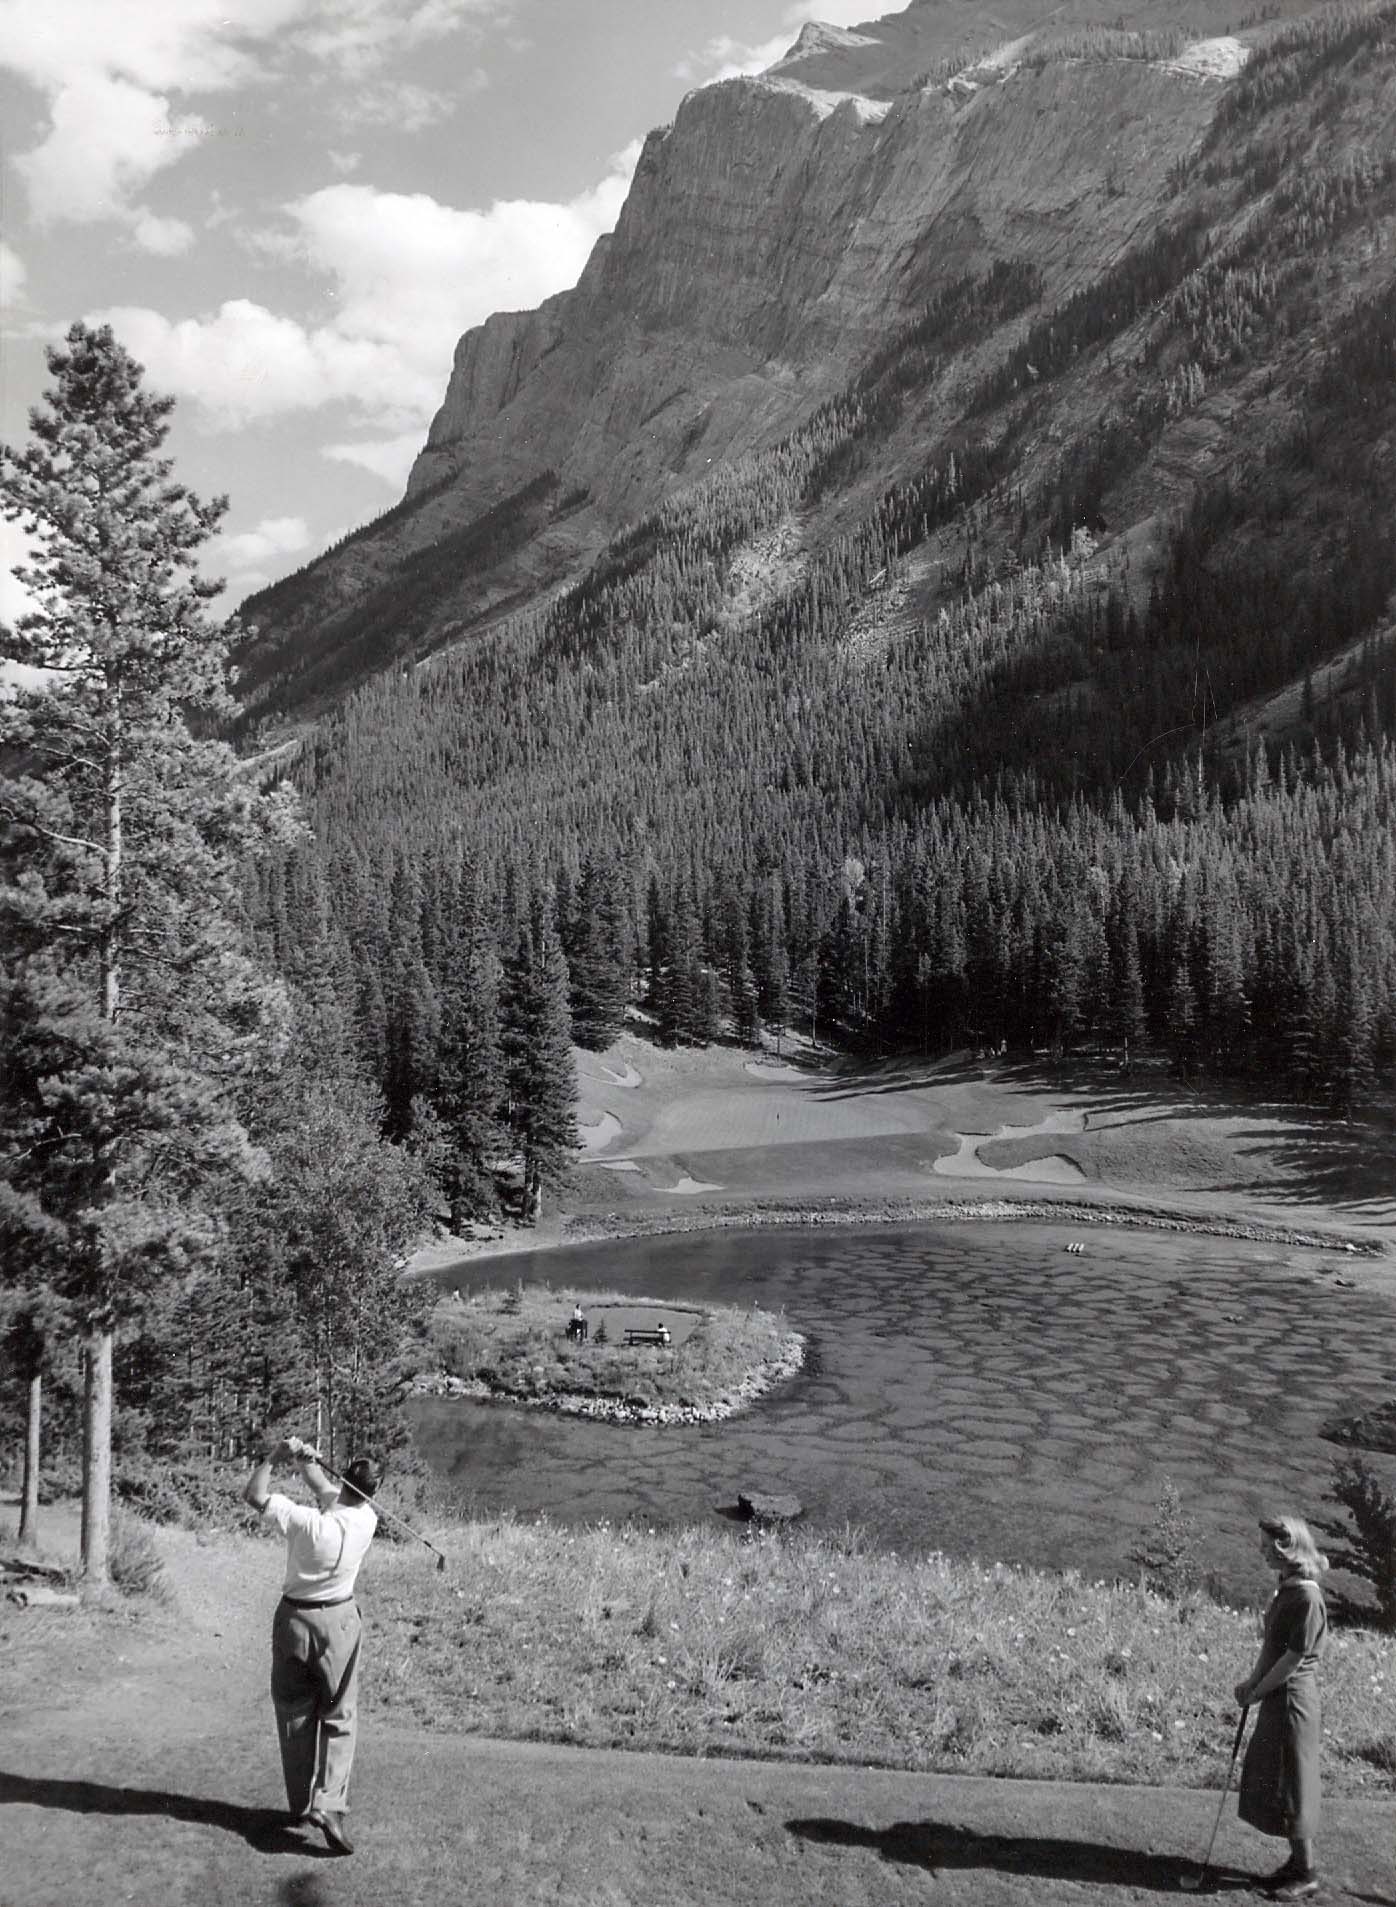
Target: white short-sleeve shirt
{"type": "Point", "coordinates": [323, 1547]}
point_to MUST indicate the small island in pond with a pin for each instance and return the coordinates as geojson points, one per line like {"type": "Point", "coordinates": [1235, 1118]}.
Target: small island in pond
{"type": "Point", "coordinates": [603, 1355]}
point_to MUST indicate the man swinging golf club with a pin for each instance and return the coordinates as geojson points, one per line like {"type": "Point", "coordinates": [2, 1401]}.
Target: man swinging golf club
{"type": "Point", "coordinates": [316, 1631]}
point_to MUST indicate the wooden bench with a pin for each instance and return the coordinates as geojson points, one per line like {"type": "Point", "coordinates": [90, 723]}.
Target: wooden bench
{"type": "Point", "coordinates": [637, 1336]}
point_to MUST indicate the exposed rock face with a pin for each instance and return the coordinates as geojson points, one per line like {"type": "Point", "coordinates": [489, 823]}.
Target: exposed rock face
{"type": "Point", "coordinates": [773, 236]}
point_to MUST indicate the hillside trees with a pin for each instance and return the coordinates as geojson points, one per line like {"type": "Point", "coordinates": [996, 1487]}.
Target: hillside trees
{"type": "Point", "coordinates": [129, 1007]}
{"type": "Point", "coordinates": [1045, 767]}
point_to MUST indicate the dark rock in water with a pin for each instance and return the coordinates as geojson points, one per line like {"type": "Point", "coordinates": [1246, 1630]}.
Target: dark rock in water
{"type": "Point", "coordinates": [1374, 1430]}
{"type": "Point", "coordinates": [761, 1507]}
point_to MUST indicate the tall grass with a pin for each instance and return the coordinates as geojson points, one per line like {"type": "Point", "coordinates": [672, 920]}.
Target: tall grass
{"type": "Point", "coordinates": [135, 1563]}
{"type": "Point", "coordinates": [696, 1641]}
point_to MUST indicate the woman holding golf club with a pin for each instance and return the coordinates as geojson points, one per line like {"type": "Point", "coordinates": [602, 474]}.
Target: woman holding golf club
{"type": "Point", "coordinates": [1279, 1778]}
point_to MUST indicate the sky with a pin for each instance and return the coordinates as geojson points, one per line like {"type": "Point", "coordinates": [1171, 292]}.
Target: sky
{"type": "Point", "coordinates": [290, 210]}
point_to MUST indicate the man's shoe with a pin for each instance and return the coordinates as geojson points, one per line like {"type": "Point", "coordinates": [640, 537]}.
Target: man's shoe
{"type": "Point", "coordinates": [331, 1825]}
{"type": "Point", "coordinates": [1299, 1885]}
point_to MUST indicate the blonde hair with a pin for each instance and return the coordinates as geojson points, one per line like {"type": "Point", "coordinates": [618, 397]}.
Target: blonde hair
{"type": "Point", "coordinates": [1294, 1542]}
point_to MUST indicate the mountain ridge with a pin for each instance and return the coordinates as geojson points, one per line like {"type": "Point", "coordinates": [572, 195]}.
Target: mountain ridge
{"type": "Point", "coordinates": [770, 249]}
{"type": "Point", "coordinates": [733, 296]}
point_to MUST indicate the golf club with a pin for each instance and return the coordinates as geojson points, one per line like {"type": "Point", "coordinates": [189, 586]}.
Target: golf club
{"type": "Point", "coordinates": [313, 1456]}
{"type": "Point", "coordinates": [1192, 1885]}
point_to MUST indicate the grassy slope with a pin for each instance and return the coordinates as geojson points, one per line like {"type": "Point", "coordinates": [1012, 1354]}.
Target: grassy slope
{"type": "Point", "coordinates": [702, 1641]}
{"type": "Point", "coordinates": [698, 1642]}
{"type": "Point", "coordinates": [679, 1139]}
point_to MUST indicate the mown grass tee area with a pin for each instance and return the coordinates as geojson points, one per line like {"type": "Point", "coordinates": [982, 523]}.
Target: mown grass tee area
{"type": "Point", "coordinates": [697, 1641]}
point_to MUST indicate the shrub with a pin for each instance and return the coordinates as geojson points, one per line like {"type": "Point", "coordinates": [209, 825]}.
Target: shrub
{"type": "Point", "coordinates": [190, 1496]}
{"type": "Point", "coordinates": [1365, 1547]}
{"type": "Point", "coordinates": [1167, 1557]}
{"type": "Point", "coordinates": [135, 1563]}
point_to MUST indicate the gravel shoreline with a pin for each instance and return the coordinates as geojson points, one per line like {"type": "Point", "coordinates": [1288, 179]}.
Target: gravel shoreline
{"type": "Point", "coordinates": [592, 1227]}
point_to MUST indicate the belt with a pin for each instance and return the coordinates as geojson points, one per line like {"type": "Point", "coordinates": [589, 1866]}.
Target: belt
{"type": "Point", "coordinates": [311, 1602]}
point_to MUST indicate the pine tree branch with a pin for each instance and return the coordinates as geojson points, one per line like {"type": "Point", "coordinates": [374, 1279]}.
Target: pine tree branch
{"type": "Point", "coordinates": [48, 834]}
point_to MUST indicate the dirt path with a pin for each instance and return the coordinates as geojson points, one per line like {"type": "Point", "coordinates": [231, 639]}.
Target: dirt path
{"type": "Point", "coordinates": [151, 1777]}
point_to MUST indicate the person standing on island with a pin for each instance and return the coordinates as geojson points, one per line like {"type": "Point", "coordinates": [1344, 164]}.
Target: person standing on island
{"type": "Point", "coordinates": [1280, 1776]}
{"type": "Point", "coordinates": [316, 1630]}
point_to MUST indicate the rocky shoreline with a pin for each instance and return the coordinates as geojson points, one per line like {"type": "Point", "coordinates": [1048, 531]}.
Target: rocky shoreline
{"type": "Point", "coordinates": [583, 1228]}
{"type": "Point", "coordinates": [615, 1408]}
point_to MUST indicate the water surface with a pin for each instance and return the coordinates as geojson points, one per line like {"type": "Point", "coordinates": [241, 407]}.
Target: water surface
{"type": "Point", "coordinates": [970, 1388]}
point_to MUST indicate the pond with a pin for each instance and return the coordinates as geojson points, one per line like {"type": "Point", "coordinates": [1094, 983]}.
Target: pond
{"type": "Point", "coordinates": [973, 1389]}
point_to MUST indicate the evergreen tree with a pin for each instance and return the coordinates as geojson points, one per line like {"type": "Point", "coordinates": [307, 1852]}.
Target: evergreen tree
{"type": "Point", "coordinates": [681, 995]}
{"type": "Point", "coordinates": [130, 1009]}
{"type": "Point", "coordinates": [540, 1071]}
{"type": "Point", "coordinates": [597, 958]}
{"type": "Point", "coordinates": [470, 1086]}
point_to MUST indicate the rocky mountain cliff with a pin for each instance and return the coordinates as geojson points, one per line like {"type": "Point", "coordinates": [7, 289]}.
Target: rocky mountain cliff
{"type": "Point", "coordinates": [789, 231]}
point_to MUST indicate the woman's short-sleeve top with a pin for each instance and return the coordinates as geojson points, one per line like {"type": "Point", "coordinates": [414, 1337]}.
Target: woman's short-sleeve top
{"type": "Point", "coordinates": [1297, 1622]}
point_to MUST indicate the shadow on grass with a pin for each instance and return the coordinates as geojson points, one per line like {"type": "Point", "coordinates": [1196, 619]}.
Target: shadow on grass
{"type": "Point", "coordinates": [264, 1829]}
{"type": "Point", "coordinates": [929, 1845]}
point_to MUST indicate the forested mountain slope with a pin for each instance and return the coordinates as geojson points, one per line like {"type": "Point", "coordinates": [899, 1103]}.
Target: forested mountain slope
{"type": "Point", "coordinates": [779, 234]}
{"type": "Point", "coordinates": [866, 594]}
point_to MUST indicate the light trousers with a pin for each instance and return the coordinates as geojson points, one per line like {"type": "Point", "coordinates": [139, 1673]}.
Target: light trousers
{"type": "Point", "coordinates": [314, 1690]}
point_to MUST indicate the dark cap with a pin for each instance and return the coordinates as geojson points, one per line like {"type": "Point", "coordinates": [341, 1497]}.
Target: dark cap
{"type": "Point", "coordinates": [363, 1476]}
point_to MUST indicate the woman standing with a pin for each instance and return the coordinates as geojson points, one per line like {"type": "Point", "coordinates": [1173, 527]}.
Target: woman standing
{"type": "Point", "coordinates": [1279, 1778]}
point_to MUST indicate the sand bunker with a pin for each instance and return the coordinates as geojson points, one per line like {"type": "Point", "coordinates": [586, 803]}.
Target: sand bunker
{"type": "Point", "coordinates": [595, 1138]}
{"type": "Point", "coordinates": [687, 1184]}
{"type": "Point", "coordinates": [618, 1165]}
{"type": "Point", "coordinates": [627, 1077]}
{"type": "Point", "coordinates": [1053, 1169]}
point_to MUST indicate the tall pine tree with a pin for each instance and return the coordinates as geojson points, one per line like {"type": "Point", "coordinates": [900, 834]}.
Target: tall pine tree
{"type": "Point", "coordinates": [129, 1006]}
{"type": "Point", "coordinates": [541, 1073]}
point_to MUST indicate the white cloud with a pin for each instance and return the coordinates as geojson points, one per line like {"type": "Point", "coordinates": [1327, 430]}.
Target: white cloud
{"type": "Point", "coordinates": [406, 106]}
{"type": "Point", "coordinates": [13, 277]}
{"type": "Point", "coordinates": [15, 601]}
{"type": "Point", "coordinates": [727, 58]}
{"type": "Point", "coordinates": [106, 138]}
{"type": "Point", "coordinates": [242, 550]}
{"type": "Point", "coordinates": [248, 559]}
{"type": "Point", "coordinates": [355, 34]}
{"type": "Point", "coordinates": [109, 68]}
{"type": "Point", "coordinates": [409, 276]}
{"type": "Point", "coordinates": [390, 458]}
{"type": "Point", "coordinates": [245, 363]}
{"type": "Point", "coordinates": [162, 237]}
{"type": "Point", "coordinates": [15, 549]}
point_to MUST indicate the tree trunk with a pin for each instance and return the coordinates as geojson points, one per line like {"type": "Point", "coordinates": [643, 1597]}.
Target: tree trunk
{"type": "Point", "coordinates": [29, 1490]}
{"type": "Point", "coordinates": [96, 1457]}
{"type": "Point", "coordinates": [97, 1383]}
